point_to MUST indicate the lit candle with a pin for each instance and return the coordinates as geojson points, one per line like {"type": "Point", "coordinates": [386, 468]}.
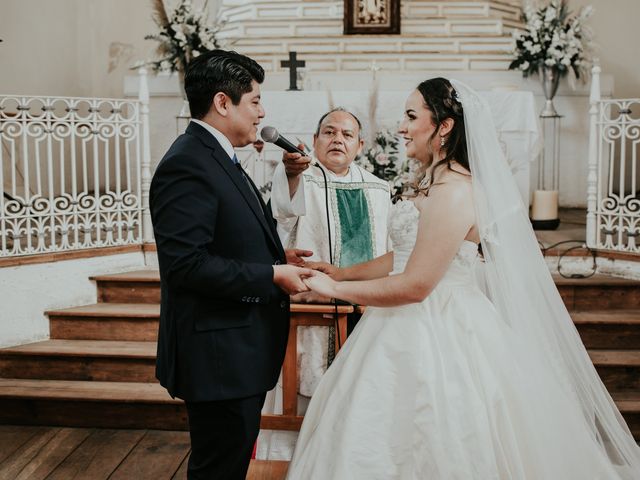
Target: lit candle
{"type": "Point", "coordinates": [544, 205]}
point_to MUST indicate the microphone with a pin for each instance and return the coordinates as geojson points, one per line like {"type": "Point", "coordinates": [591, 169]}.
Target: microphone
{"type": "Point", "coordinates": [271, 135]}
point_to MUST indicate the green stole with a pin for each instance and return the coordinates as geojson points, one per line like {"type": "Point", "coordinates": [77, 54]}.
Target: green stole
{"type": "Point", "coordinates": [355, 236]}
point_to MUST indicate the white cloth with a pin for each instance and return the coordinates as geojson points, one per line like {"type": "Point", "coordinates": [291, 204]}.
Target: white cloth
{"type": "Point", "coordinates": [302, 223]}
{"type": "Point", "coordinates": [435, 390]}
{"type": "Point", "coordinates": [302, 219]}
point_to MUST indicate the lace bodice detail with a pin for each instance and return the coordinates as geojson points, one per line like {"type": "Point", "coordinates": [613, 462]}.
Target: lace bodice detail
{"type": "Point", "coordinates": [403, 229]}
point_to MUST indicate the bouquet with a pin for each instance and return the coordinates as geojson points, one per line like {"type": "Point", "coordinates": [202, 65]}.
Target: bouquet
{"type": "Point", "coordinates": [552, 38]}
{"type": "Point", "coordinates": [183, 36]}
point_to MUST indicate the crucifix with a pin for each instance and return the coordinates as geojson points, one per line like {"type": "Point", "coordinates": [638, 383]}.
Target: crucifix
{"type": "Point", "coordinates": [292, 64]}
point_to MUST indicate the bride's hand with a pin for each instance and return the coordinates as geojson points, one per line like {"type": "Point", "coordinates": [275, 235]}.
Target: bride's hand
{"type": "Point", "coordinates": [321, 283]}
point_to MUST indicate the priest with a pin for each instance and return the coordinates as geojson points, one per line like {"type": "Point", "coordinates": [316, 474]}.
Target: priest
{"type": "Point", "coordinates": [331, 206]}
{"type": "Point", "coordinates": [356, 231]}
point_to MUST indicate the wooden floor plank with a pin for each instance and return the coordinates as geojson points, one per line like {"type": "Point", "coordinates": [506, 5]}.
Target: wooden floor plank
{"type": "Point", "coordinates": [267, 470]}
{"type": "Point", "coordinates": [98, 456]}
{"type": "Point", "coordinates": [65, 441]}
{"type": "Point", "coordinates": [11, 467]}
{"type": "Point", "coordinates": [181, 474]}
{"type": "Point", "coordinates": [157, 456]}
{"type": "Point", "coordinates": [13, 437]}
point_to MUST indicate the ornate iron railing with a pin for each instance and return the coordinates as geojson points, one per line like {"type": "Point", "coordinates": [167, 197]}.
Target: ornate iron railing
{"type": "Point", "coordinates": [74, 173]}
{"type": "Point", "coordinates": [613, 197]}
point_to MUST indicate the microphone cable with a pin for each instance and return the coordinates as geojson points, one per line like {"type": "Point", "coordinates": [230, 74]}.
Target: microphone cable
{"type": "Point", "coordinates": [334, 300]}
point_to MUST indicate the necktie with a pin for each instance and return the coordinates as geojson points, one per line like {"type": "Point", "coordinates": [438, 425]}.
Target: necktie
{"type": "Point", "coordinates": [246, 179]}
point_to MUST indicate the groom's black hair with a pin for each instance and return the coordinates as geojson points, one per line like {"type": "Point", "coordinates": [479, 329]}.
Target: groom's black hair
{"type": "Point", "coordinates": [219, 71]}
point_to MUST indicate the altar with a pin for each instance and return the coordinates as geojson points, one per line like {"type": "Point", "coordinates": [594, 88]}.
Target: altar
{"type": "Point", "coordinates": [296, 113]}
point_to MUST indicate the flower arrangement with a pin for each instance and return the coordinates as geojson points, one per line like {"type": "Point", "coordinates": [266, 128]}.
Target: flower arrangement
{"type": "Point", "coordinates": [383, 160]}
{"type": "Point", "coordinates": [552, 38]}
{"type": "Point", "coordinates": [183, 36]}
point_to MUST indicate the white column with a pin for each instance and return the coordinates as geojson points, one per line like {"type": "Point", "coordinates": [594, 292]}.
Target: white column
{"type": "Point", "coordinates": [147, 227]}
{"type": "Point", "coordinates": [592, 171]}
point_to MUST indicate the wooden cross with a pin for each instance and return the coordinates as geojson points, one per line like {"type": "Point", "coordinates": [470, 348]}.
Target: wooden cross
{"type": "Point", "coordinates": [292, 64]}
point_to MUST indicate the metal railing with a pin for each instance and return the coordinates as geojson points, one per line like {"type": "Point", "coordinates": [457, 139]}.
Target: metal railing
{"type": "Point", "coordinates": [74, 173]}
{"type": "Point", "coordinates": [613, 198]}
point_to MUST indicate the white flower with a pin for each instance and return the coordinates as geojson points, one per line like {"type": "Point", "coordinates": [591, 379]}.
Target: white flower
{"type": "Point", "coordinates": [195, 53]}
{"type": "Point", "coordinates": [550, 14]}
{"type": "Point", "coordinates": [524, 66]}
{"type": "Point", "coordinates": [382, 159]}
{"type": "Point", "coordinates": [566, 61]}
{"type": "Point", "coordinates": [165, 65]}
{"type": "Point", "coordinates": [549, 62]}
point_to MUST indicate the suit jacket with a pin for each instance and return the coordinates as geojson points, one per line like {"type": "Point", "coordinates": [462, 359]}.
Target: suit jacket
{"type": "Point", "coordinates": [223, 323]}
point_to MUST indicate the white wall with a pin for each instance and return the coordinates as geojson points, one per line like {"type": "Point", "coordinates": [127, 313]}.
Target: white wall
{"type": "Point", "coordinates": [27, 291]}
{"type": "Point", "coordinates": [61, 47]}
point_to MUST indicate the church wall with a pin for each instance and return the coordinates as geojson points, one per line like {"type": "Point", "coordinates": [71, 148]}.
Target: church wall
{"type": "Point", "coordinates": [27, 291]}
{"type": "Point", "coordinates": [63, 48]}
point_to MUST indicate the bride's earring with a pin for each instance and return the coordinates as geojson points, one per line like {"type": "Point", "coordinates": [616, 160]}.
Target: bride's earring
{"type": "Point", "coordinates": [442, 141]}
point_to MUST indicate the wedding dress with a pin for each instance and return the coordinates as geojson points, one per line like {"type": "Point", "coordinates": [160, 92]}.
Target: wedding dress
{"type": "Point", "coordinates": [433, 390]}
{"type": "Point", "coordinates": [484, 379]}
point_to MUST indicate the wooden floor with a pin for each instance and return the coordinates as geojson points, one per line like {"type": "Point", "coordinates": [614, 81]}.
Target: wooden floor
{"type": "Point", "coordinates": [59, 453]}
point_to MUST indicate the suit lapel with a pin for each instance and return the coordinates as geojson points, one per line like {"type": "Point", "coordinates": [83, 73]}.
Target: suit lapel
{"type": "Point", "coordinates": [220, 156]}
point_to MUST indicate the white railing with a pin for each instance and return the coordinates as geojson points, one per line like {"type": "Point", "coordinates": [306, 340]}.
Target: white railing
{"type": "Point", "coordinates": [74, 173]}
{"type": "Point", "coordinates": [613, 198]}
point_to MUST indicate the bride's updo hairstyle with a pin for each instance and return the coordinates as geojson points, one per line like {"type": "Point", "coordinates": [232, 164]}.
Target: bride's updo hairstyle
{"type": "Point", "coordinates": [441, 100]}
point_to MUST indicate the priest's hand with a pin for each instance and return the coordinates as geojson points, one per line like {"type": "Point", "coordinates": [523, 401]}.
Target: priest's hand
{"type": "Point", "coordinates": [321, 284]}
{"type": "Point", "coordinates": [295, 163]}
{"type": "Point", "coordinates": [295, 256]}
{"type": "Point", "coordinates": [291, 278]}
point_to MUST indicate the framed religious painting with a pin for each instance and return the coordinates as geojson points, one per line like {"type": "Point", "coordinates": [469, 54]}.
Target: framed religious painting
{"type": "Point", "coordinates": [371, 16]}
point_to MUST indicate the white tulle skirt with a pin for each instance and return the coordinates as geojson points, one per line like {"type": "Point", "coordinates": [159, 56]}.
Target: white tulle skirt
{"type": "Point", "coordinates": [442, 390]}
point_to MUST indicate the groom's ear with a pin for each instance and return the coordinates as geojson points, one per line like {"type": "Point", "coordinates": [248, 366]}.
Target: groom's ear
{"type": "Point", "coordinates": [220, 104]}
{"type": "Point", "coordinates": [446, 126]}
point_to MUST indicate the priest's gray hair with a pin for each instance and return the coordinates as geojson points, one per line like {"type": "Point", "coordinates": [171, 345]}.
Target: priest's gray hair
{"type": "Point", "coordinates": [340, 109]}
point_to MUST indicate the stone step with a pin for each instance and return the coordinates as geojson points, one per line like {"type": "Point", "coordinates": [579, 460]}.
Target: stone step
{"type": "Point", "coordinates": [618, 369]}
{"type": "Point", "coordinates": [609, 329]}
{"type": "Point", "coordinates": [409, 10]}
{"type": "Point", "coordinates": [140, 286]}
{"type": "Point", "coordinates": [333, 27]}
{"type": "Point", "coordinates": [440, 44]}
{"type": "Point", "coordinates": [90, 404]}
{"type": "Point", "coordinates": [138, 405]}
{"type": "Point", "coordinates": [99, 360]}
{"type": "Point", "coordinates": [599, 292]}
{"type": "Point", "coordinates": [599, 329]}
{"type": "Point", "coordinates": [107, 321]}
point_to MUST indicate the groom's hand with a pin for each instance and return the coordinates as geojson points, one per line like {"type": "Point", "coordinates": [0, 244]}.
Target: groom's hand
{"type": "Point", "coordinates": [290, 278]}
{"type": "Point", "coordinates": [294, 256]}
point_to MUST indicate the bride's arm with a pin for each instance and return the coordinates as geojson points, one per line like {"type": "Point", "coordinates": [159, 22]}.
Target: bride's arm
{"type": "Point", "coordinates": [378, 267]}
{"type": "Point", "coordinates": [446, 218]}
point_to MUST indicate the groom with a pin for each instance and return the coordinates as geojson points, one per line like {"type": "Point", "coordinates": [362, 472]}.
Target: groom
{"type": "Point", "coordinates": [225, 284]}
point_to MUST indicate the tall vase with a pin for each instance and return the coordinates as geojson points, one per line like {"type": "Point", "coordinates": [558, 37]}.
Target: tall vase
{"type": "Point", "coordinates": [184, 110]}
{"type": "Point", "coordinates": [550, 77]}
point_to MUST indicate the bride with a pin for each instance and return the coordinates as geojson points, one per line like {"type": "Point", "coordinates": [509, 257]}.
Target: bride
{"type": "Point", "coordinates": [464, 366]}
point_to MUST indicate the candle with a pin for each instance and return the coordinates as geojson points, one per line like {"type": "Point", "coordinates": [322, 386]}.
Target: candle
{"type": "Point", "coordinates": [544, 205]}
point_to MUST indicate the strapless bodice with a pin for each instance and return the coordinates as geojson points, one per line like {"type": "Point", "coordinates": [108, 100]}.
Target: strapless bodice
{"type": "Point", "coordinates": [403, 229]}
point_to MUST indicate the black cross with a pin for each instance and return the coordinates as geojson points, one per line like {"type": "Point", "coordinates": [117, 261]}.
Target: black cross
{"type": "Point", "coordinates": [292, 64]}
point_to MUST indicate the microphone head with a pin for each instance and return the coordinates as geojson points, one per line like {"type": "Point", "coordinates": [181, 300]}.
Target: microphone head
{"type": "Point", "coordinates": [269, 134]}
